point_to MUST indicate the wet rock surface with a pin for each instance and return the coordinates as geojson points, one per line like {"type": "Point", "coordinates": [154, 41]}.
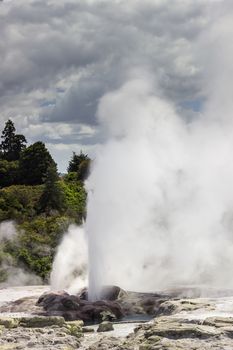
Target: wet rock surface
{"type": "Point", "coordinates": [166, 333]}
{"type": "Point", "coordinates": [105, 326]}
{"type": "Point", "coordinates": [178, 323]}
{"type": "Point", "coordinates": [169, 333]}
{"type": "Point", "coordinates": [22, 305]}
{"type": "Point", "coordinates": [115, 305]}
{"type": "Point", "coordinates": [185, 324]}
{"type": "Point", "coordinates": [38, 338]}
{"type": "Point", "coordinates": [39, 333]}
{"type": "Point", "coordinates": [72, 307]}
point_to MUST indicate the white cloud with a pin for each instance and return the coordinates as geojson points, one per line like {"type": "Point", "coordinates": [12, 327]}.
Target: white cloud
{"type": "Point", "coordinates": [58, 58]}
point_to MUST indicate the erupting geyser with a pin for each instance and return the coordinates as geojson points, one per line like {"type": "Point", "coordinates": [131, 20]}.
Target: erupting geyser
{"type": "Point", "coordinates": [160, 208]}
{"type": "Point", "coordinates": [160, 196]}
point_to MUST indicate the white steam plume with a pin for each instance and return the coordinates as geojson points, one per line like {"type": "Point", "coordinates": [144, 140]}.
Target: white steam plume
{"type": "Point", "coordinates": [160, 194]}
{"type": "Point", "coordinates": [70, 264]}
{"type": "Point", "coordinates": [7, 231]}
{"type": "Point", "coordinates": [160, 207]}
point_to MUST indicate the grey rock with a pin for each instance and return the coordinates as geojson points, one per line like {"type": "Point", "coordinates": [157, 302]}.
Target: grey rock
{"type": "Point", "coordinates": [105, 326]}
{"type": "Point", "coordinates": [88, 330]}
{"type": "Point", "coordinates": [41, 321]}
{"type": "Point", "coordinates": [219, 321]}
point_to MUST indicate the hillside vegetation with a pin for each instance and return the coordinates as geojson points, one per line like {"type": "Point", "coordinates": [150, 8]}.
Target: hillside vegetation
{"type": "Point", "coordinates": [41, 203]}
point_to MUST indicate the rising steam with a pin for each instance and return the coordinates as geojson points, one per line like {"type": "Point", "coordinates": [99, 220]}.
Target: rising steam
{"type": "Point", "coordinates": [160, 194]}
{"type": "Point", "coordinates": [13, 275]}
{"type": "Point", "coordinates": [160, 208]}
{"type": "Point", "coordinates": [70, 264]}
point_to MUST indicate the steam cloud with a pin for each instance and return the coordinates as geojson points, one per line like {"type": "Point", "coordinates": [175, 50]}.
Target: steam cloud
{"type": "Point", "coordinates": [70, 264]}
{"type": "Point", "coordinates": [7, 231]}
{"type": "Point", "coordinates": [160, 203]}
{"type": "Point", "coordinates": [160, 208]}
{"type": "Point", "coordinates": [16, 276]}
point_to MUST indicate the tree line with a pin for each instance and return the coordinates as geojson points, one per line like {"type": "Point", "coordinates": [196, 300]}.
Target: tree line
{"type": "Point", "coordinates": [30, 165]}
{"type": "Point", "coordinates": [33, 165]}
{"type": "Point", "coordinates": [41, 202]}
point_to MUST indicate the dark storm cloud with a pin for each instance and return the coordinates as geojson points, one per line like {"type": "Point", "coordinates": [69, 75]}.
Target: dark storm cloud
{"type": "Point", "coordinates": [39, 45]}
{"type": "Point", "coordinates": [152, 35]}
{"type": "Point", "coordinates": [45, 41]}
{"type": "Point", "coordinates": [59, 57]}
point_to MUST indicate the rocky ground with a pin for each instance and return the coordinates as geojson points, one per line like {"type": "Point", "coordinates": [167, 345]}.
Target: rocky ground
{"type": "Point", "coordinates": [40, 336]}
{"type": "Point", "coordinates": [181, 322]}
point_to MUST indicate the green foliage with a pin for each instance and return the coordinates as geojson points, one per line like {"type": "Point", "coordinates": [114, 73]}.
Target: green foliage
{"type": "Point", "coordinates": [76, 196]}
{"type": "Point", "coordinates": [3, 275]}
{"type": "Point", "coordinates": [43, 230]}
{"type": "Point", "coordinates": [19, 203]}
{"type": "Point", "coordinates": [52, 197]}
{"type": "Point", "coordinates": [33, 164]}
{"type": "Point", "coordinates": [9, 173]}
{"type": "Point", "coordinates": [76, 161]}
{"type": "Point", "coordinates": [22, 203]}
{"type": "Point", "coordinates": [36, 243]}
{"type": "Point", "coordinates": [38, 235]}
{"type": "Point", "coordinates": [80, 163]}
{"type": "Point", "coordinates": [41, 266]}
{"type": "Point", "coordinates": [38, 240]}
{"type": "Point", "coordinates": [6, 261]}
{"type": "Point", "coordinates": [41, 204]}
{"type": "Point", "coordinates": [12, 144]}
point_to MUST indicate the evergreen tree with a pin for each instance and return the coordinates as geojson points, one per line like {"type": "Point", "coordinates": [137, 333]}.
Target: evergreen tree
{"type": "Point", "coordinates": [12, 144]}
{"type": "Point", "coordinates": [84, 170]}
{"type": "Point", "coordinates": [75, 161]}
{"type": "Point", "coordinates": [33, 164]}
{"type": "Point", "coordinates": [52, 197]}
{"type": "Point", "coordinates": [9, 172]}
{"type": "Point", "coordinates": [80, 164]}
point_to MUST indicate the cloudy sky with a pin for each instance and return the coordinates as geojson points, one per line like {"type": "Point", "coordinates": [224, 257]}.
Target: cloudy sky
{"type": "Point", "coordinates": [58, 58]}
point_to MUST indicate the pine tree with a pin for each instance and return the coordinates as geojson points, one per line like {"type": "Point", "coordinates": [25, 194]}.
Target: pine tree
{"type": "Point", "coordinates": [80, 164]}
{"type": "Point", "coordinates": [52, 197]}
{"type": "Point", "coordinates": [12, 144]}
{"type": "Point", "coordinates": [75, 161]}
{"type": "Point", "coordinates": [84, 170]}
{"type": "Point", "coordinates": [33, 164]}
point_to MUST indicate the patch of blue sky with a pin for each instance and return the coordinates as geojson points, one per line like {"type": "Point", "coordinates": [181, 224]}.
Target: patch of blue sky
{"type": "Point", "coordinates": [195, 105]}
{"type": "Point", "coordinates": [47, 103]}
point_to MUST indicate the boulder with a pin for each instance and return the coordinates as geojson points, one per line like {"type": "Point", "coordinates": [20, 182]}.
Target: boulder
{"type": "Point", "coordinates": [78, 323]}
{"type": "Point", "coordinates": [105, 326]}
{"type": "Point", "coordinates": [75, 329]}
{"type": "Point", "coordinates": [170, 307]}
{"type": "Point", "coordinates": [111, 292]}
{"type": "Point", "coordinates": [178, 330]}
{"type": "Point", "coordinates": [107, 316]}
{"type": "Point", "coordinates": [88, 330]}
{"type": "Point", "coordinates": [72, 307]}
{"type": "Point", "coordinates": [58, 301]}
{"type": "Point", "coordinates": [41, 321]}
